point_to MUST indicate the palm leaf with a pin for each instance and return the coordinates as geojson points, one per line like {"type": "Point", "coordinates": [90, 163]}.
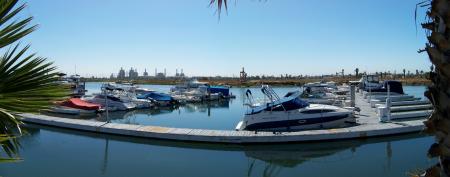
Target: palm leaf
{"type": "Point", "coordinates": [27, 82]}
{"type": "Point", "coordinates": [10, 147]}
{"type": "Point", "coordinates": [16, 29]}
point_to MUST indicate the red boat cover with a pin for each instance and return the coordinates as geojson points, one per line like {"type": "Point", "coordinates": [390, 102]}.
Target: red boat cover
{"type": "Point", "coordinates": [80, 104]}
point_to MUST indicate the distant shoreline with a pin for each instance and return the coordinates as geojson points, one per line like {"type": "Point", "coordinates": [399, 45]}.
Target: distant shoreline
{"type": "Point", "coordinates": [413, 81]}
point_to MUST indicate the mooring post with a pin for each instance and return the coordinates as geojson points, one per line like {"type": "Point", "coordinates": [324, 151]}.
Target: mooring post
{"type": "Point", "coordinates": [352, 95]}
{"type": "Point", "coordinates": [106, 107]}
{"type": "Point", "coordinates": [388, 102]}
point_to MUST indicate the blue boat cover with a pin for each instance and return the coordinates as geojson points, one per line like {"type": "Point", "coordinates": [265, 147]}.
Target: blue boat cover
{"type": "Point", "coordinates": [156, 96]}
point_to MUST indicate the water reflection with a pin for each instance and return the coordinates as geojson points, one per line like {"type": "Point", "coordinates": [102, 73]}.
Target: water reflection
{"type": "Point", "coordinates": [137, 116]}
{"type": "Point", "coordinates": [206, 107]}
{"type": "Point", "coordinates": [262, 160]}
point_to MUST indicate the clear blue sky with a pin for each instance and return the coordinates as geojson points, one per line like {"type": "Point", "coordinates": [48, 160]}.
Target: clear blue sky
{"type": "Point", "coordinates": [269, 37]}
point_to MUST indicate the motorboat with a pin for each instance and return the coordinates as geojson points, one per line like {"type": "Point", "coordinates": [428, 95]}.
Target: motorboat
{"type": "Point", "coordinates": [161, 99]}
{"type": "Point", "coordinates": [110, 102]}
{"type": "Point", "coordinates": [369, 82]}
{"type": "Point", "coordinates": [126, 93]}
{"type": "Point", "coordinates": [78, 103]}
{"type": "Point", "coordinates": [76, 106]}
{"type": "Point", "coordinates": [71, 111]}
{"type": "Point", "coordinates": [194, 90]}
{"type": "Point", "coordinates": [321, 94]}
{"type": "Point", "coordinates": [395, 87]}
{"type": "Point", "coordinates": [291, 113]}
{"type": "Point", "coordinates": [188, 85]}
{"type": "Point", "coordinates": [77, 87]}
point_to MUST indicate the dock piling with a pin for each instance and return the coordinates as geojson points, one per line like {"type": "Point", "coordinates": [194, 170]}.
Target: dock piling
{"type": "Point", "coordinates": [352, 95]}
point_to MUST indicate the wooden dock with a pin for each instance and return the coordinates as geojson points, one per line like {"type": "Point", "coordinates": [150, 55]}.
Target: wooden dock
{"type": "Point", "coordinates": [370, 126]}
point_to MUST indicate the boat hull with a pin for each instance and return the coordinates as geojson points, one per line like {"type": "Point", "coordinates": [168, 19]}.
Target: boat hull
{"type": "Point", "coordinates": [299, 124]}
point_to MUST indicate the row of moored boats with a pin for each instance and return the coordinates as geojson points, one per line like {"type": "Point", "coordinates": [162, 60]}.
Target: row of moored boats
{"type": "Point", "coordinates": [124, 96]}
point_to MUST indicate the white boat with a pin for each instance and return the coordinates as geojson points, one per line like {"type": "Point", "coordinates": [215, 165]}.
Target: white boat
{"type": "Point", "coordinates": [369, 82]}
{"type": "Point", "coordinates": [188, 86]}
{"type": "Point", "coordinates": [114, 103]}
{"type": "Point", "coordinates": [77, 87]}
{"type": "Point", "coordinates": [126, 93]}
{"type": "Point", "coordinates": [194, 91]}
{"type": "Point", "coordinates": [291, 113]}
{"type": "Point", "coordinates": [316, 93]}
{"type": "Point", "coordinates": [71, 111]}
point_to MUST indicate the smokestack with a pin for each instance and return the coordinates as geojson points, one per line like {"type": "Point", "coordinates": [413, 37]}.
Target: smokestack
{"type": "Point", "coordinates": [165, 74]}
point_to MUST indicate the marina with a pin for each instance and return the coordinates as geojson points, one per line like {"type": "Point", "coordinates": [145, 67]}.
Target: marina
{"type": "Point", "coordinates": [273, 89]}
{"type": "Point", "coordinates": [369, 124]}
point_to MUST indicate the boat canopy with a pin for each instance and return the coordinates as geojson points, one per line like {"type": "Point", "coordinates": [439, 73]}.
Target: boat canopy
{"type": "Point", "coordinates": [80, 104]}
{"type": "Point", "coordinates": [225, 91]}
{"type": "Point", "coordinates": [395, 86]}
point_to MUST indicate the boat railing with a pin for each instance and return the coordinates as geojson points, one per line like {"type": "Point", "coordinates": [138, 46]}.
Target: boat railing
{"type": "Point", "coordinates": [272, 95]}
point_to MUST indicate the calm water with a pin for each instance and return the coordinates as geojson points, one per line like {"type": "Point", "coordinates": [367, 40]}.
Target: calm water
{"type": "Point", "coordinates": [49, 152]}
{"type": "Point", "coordinates": [53, 152]}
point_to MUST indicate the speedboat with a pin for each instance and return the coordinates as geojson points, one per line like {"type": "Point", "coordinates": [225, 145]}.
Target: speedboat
{"type": "Point", "coordinates": [77, 103]}
{"type": "Point", "coordinates": [188, 86]}
{"type": "Point", "coordinates": [291, 113]}
{"type": "Point", "coordinates": [126, 94]}
{"type": "Point", "coordinates": [369, 82]}
{"type": "Point", "coordinates": [76, 106]}
{"type": "Point", "coordinates": [77, 87]}
{"type": "Point", "coordinates": [194, 90]}
{"type": "Point", "coordinates": [71, 111]}
{"type": "Point", "coordinates": [112, 102]}
{"type": "Point", "coordinates": [321, 94]}
{"type": "Point", "coordinates": [161, 99]}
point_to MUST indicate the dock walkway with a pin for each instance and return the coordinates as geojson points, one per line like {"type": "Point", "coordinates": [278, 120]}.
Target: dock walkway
{"type": "Point", "coordinates": [368, 120]}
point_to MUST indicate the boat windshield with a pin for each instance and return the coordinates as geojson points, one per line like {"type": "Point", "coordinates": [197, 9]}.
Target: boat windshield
{"type": "Point", "coordinates": [291, 101]}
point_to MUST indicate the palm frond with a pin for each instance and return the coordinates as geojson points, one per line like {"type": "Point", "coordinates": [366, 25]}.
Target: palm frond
{"type": "Point", "coordinates": [27, 85]}
{"type": "Point", "coordinates": [26, 81]}
{"type": "Point", "coordinates": [10, 147]}
{"type": "Point", "coordinates": [16, 29]}
{"type": "Point", "coordinates": [220, 4]}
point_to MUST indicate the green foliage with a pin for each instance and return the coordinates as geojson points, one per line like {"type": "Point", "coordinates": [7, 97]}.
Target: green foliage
{"type": "Point", "coordinates": [27, 82]}
{"type": "Point", "coordinates": [10, 146]}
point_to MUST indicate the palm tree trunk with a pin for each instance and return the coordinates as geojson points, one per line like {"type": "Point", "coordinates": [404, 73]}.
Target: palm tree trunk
{"type": "Point", "coordinates": [438, 50]}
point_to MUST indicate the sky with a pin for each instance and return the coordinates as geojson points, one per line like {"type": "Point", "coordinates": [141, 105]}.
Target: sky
{"type": "Point", "coordinates": [268, 37]}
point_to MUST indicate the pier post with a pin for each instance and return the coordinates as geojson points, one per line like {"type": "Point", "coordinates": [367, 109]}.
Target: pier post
{"type": "Point", "coordinates": [106, 106]}
{"type": "Point", "coordinates": [388, 102]}
{"type": "Point", "coordinates": [352, 95]}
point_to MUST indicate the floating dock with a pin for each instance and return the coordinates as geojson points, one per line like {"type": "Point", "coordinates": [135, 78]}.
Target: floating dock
{"type": "Point", "coordinates": [368, 120]}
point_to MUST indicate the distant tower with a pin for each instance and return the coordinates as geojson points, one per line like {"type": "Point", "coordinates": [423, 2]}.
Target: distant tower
{"type": "Point", "coordinates": [156, 72]}
{"type": "Point", "coordinates": [121, 74]}
{"type": "Point", "coordinates": [145, 73]}
{"type": "Point", "coordinates": [243, 76]}
{"type": "Point", "coordinates": [165, 74]}
{"type": "Point", "coordinates": [176, 73]}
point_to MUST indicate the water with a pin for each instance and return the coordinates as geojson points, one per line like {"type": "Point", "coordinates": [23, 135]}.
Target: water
{"type": "Point", "coordinates": [55, 152]}
{"type": "Point", "coordinates": [223, 115]}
